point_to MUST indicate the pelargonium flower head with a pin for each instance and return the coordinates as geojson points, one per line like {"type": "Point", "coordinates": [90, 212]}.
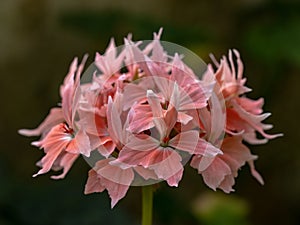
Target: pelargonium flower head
{"type": "Point", "coordinates": [139, 114]}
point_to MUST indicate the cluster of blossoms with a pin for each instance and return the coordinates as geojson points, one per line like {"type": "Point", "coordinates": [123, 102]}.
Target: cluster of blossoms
{"type": "Point", "coordinates": [148, 114]}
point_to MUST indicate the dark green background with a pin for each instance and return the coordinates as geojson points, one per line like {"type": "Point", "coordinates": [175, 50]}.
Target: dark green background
{"type": "Point", "coordinates": [38, 40]}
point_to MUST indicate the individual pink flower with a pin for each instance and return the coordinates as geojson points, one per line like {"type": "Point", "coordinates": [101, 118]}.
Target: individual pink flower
{"type": "Point", "coordinates": [244, 116]}
{"type": "Point", "coordinates": [222, 171]}
{"type": "Point", "coordinates": [64, 141]}
{"type": "Point", "coordinates": [158, 153]}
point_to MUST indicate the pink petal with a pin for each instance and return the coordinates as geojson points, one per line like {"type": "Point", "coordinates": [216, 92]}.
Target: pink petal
{"type": "Point", "coordinates": [80, 144]}
{"type": "Point", "coordinates": [175, 179]}
{"type": "Point", "coordinates": [254, 120]}
{"type": "Point", "coordinates": [141, 118]}
{"type": "Point", "coordinates": [115, 191]}
{"type": "Point", "coordinates": [93, 123]}
{"type": "Point", "coordinates": [185, 141]}
{"type": "Point", "coordinates": [190, 142]}
{"type": "Point", "coordinates": [109, 63]}
{"type": "Point", "coordinates": [215, 173]}
{"type": "Point", "coordinates": [184, 118]}
{"type": "Point", "coordinates": [115, 180]}
{"type": "Point", "coordinates": [134, 93]}
{"type": "Point", "coordinates": [175, 97]}
{"type": "Point", "coordinates": [165, 162]}
{"type": "Point", "coordinates": [54, 144]}
{"type": "Point", "coordinates": [170, 119]}
{"type": "Point", "coordinates": [140, 58]}
{"type": "Point", "coordinates": [142, 143]}
{"type": "Point", "coordinates": [201, 163]}
{"type": "Point", "coordinates": [251, 106]}
{"type": "Point", "coordinates": [227, 184]}
{"type": "Point", "coordinates": [66, 163]}
{"type": "Point", "coordinates": [181, 73]}
{"type": "Point", "coordinates": [67, 91]}
{"type": "Point", "coordinates": [107, 148]}
{"type": "Point", "coordinates": [145, 173]}
{"type": "Point", "coordinates": [70, 92]}
{"type": "Point", "coordinates": [217, 119]}
{"type": "Point", "coordinates": [93, 183]}
{"type": "Point", "coordinates": [194, 96]}
{"type": "Point", "coordinates": [114, 122]}
{"type": "Point", "coordinates": [254, 173]}
{"type": "Point", "coordinates": [154, 103]}
{"type": "Point", "coordinates": [251, 138]}
{"type": "Point", "coordinates": [131, 158]}
{"type": "Point", "coordinates": [55, 117]}
{"type": "Point", "coordinates": [115, 174]}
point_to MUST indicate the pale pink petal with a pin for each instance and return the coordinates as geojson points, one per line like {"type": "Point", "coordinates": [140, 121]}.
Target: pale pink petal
{"type": "Point", "coordinates": [206, 149]}
{"type": "Point", "coordinates": [93, 183]}
{"type": "Point", "coordinates": [77, 95]}
{"type": "Point", "coordinates": [110, 62]}
{"type": "Point", "coordinates": [175, 179]}
{"type": "Point", "coordinates": [80, 144]}
{"type": "Point", "coordinates": [142, 143]}
{"type": "Point", "coordinates": [255, 121]}
{"type": "Point", "coordinates": [239, 64]}
{"type": "Point", "coordinates": [251, 138]}
{"type": "Point", "coordinates": [236, 154]}
{"type": "Point", "coordinates": [67, 91]}
{"type": "Point", "coordinates": [161, 127]}
{"type": "Point", "coordinates": [185, 141]}
{"type": "Point", "coordinates": [115, 180]}
{"type": "Point", "coordinates": [70, 92]}
{"type": "Point", "coordinates": [55, 117]}
{"type": "Point", "coordinates": [251, 106]}
{"type": "Point", "coordinates": [184, 118]}
{"type": "Point", "coordinates": [217, 118]}
{"type": "Point", "coordinates": [137, 93]}
{"type": "Point", "coordinates": [227, 184]}
{"type": "Point", "coordinates": [170, 119]}
{"type": "Point", "coordinates": [224, 168]}
{"type": "Point", "coordinates": [92, 122]}
{"type": "Point", "coordinates": [48, 160]}
{"type": "Point", "coordinates": [254, 173]}
{"type": "Point", "coordinates": [66, 163]}
{"type": "Point", "coordinates": [194, 96]}
{"type": "Point", "coordinates": [175, 97]}
{"type": "Point", "coordinates": [145, 173]}
{"type": "Point", "coordinates": [115, 174]}
{"type": "Point", "coordinates": [154, 103]}
{"type": "Point", "coordinates": [190, 142]}
{"type": "Point", "coordinates": [165, 162]}
{"type": "Point", "coordinates": [131, 158]}
{"type": "Point", "coordinates": [107, 148]}
{"type": "Point", "coordinates": [158, 53]}
{"type": "Point", "coordinates": [201, 163]}
{"type": "Point", "coordinates": [114, 122]}
{"type": "Point", "coordinates": [54, 144]}
{"type": "Point", "coordinates": [140, 119]}
{"type": "Point", "coordinates": [165, 86]}
{"type": "Point", "coordinates": [215, 173]}
{"type": "Point", "coordinates": [180, 73]}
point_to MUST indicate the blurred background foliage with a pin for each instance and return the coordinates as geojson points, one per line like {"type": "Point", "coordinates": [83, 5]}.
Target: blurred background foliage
{"type": "Point", "coordinates": [38, 40]}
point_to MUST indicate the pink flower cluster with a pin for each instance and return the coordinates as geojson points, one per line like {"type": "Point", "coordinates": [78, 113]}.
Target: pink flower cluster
{"type": "Point", "coordinates": [147, 114]}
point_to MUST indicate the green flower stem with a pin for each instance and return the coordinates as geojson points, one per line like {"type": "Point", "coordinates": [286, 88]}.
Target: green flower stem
{"type": "Point", "coordinates": [147, 192]}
